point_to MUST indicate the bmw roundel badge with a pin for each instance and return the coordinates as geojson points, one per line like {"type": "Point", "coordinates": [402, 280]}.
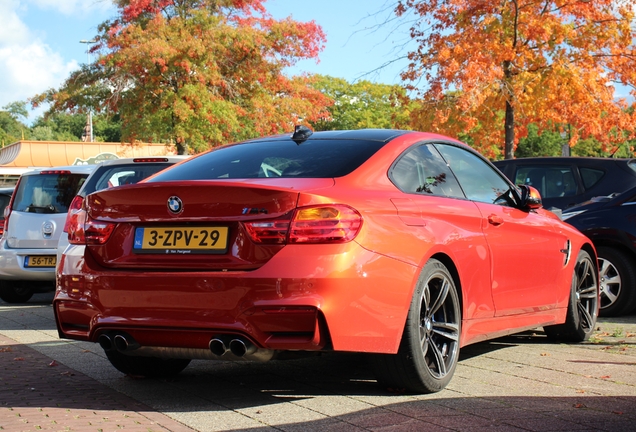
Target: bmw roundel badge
{"type": "Point", "coordinates": [175, 205]}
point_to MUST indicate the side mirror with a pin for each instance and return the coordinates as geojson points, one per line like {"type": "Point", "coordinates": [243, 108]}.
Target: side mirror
{"type": "Point", "coordinates": [530, 198]}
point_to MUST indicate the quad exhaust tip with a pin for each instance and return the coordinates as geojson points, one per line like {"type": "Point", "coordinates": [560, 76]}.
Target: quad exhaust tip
{"type": "Point", "coordinates": [121, 342]}
{"type": "Point", "coordinates": [238, 347]}
{"type": "Point", "coordinates": [106, 342]}
{"type": "Point", "coordinates": [218, 347]}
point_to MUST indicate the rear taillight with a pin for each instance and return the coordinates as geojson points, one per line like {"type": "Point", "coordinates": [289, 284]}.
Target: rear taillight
{"type": "Point", "coordinates": [7, 209]}
{"type": "Point", "coordinates": [76, 205]}
{"type": "Point", "coordinates": [5, 222]}
{"type": "Point", "coordinates": [319, 224]}
{"type": "Point", "coordinates": [82, 230]}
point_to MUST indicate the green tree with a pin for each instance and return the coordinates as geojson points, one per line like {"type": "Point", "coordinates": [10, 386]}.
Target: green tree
{"type": "Point", "coordinates": [11, 128]}
{"type": "Point", "coordinates": [536, 143]}
{"type": "Point", "coordinates": [64, 126]}
{"type": "Point", "coordinates": [362, 104]}
{"type": "Point", "coordinates": [197, 73]}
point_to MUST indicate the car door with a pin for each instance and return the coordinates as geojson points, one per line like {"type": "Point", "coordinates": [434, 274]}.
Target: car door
{"type": "Point", "coordinates": [436, 210]}
{"type": "Point", "coordinates": [525, 250]}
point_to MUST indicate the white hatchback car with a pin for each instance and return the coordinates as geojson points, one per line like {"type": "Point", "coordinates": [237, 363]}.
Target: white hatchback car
{"type": "Point", "coordinates": [33, 222]}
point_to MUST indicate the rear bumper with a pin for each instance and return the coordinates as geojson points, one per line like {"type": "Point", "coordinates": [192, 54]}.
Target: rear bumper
{"type": "Point", "coordinates": [12, 264]}
{"type": "Point", "coordinates": [307, 297]}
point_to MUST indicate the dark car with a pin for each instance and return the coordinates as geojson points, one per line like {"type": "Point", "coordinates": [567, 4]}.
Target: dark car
{"type": "Point", "coordinates": [610, 222]}
{"type": "Point", "coordinates": [567, 181]}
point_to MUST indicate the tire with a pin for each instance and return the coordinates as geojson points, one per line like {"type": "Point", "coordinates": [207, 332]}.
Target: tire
{"type": "Point", "coordinates": [583, 305]}
{"type": "Point", "coordinates": [150, 367]}
{"type": "Point", "coordinates": [12, 292]}
{"type": "Point", "coordinates": [618, 282]}
{"type": "Point", "coordinates": [429, 349]}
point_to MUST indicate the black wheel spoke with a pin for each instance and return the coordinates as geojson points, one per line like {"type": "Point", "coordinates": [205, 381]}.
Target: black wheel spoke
{"type": "Point", "coordinates": [441, 298]}
{"type": "Point", "coordinates": [588, 293]}
{"type": "Point", "coordinates": [438, 360]}
{"type": "Point", "coordinates": [586, 318]}
{"type": "Point", "coordinates": [447, 330]}
{"type": "Point", "coordinates": [584, 271]}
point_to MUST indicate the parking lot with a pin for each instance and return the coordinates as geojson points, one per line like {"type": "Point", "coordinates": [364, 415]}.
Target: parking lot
{"type": "Point", "coordinates": [515, 383]}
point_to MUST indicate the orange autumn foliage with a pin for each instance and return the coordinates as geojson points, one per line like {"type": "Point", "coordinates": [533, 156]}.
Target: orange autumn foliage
{"type": "Point", "coordinates": [489, 68]}
{"type": "Point", "coordinates": [199, 73]}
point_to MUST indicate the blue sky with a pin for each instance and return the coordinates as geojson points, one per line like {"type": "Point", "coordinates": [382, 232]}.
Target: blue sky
{"type": "Point", "coordinates": [39, 40]}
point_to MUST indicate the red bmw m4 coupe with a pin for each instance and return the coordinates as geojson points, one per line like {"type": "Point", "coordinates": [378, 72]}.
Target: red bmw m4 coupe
{"type": "Point", "coordinates": [403, 245]}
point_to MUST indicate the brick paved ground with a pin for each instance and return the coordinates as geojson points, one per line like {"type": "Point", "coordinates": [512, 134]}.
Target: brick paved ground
{"type": "Point", "coordinates": [519, 383]}
{"type": "Point", "coordinates": [37, 393]}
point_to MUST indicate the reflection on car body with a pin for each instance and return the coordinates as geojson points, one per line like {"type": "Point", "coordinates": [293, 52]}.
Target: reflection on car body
{"type": "Point", "coordinates": [400, 244]}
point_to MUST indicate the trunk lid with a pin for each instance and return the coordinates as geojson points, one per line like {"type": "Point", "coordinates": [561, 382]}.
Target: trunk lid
{"type": "Point", "coordinates": [191, 225]}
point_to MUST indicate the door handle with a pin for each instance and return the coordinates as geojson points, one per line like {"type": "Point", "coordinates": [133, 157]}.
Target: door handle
{"type": "Point", "coordinates": [495, 220]}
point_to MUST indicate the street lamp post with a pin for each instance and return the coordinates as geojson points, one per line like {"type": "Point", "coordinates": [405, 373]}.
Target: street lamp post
{"type": "Point", "coordinates": [89, 135]}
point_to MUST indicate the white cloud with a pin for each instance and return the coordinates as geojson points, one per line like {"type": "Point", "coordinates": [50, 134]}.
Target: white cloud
{"type": "Point", "coordinates": [27, 64]}
{"type": "Point", "coordinates": [72, 7]}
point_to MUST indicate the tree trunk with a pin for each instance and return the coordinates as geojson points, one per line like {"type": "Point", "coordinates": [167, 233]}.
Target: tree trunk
{"type": "Point", "coordinates": [509, 126]}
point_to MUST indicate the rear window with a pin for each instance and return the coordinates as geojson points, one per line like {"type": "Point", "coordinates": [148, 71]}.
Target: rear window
{"type": "Point", "coordinates": [550, 181]}
{"type": "Point", "coordinates": [590, 176]}
{"type": "Point", "coordinates": [117, 175]}
{"type": "Point", "coordinates": [47, 193]}
{"type": "Point", "coordinates": [261, 159]}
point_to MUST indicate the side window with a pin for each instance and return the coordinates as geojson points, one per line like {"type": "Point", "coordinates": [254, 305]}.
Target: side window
{"type": "Point", "coordinates": [550, 181]}
{"type": "Point", "coordinates": [590, 176]}
{"type": "Point", "coordinates": [479, 180]}
{"type": "Point", "coordinates": [423, 171]}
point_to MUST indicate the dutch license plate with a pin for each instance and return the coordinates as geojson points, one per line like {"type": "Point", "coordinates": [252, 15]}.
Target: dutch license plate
{"type": "Point", "coordinates": [40, 261]}
{"type": "Point", "coordinates": [180, 240]}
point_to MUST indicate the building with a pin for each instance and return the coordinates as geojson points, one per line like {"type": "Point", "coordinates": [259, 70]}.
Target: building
{"type": "Point", "coordinates": [22, 156]}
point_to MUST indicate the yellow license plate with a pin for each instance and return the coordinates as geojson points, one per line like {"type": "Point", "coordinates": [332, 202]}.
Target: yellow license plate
{"type": "Point", "coordinates": [40, 261]}
{"type": "Point", "coordinates": [179, 240]}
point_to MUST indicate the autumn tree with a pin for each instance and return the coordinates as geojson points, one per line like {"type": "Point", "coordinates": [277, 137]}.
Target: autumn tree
{"type": "Point", "coordinates": [492, 67]}
{"type": "Point", "coordinates": [198, 73]}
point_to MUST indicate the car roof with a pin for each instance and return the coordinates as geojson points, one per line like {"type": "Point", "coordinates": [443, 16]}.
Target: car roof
{"type": "Point", "coordinates": [73, 169]}
{"type": "Point", "coordinates": [564, 160]}
{"type": "Point", "coordinates": [144, 159]}
{"type": "Point", "coordinates": [358, 134]}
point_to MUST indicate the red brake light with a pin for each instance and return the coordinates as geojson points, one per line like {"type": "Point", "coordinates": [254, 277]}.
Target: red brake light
{"type": "Point", "coordinates": [97, 233]}
{"type": "Point", "coordinates": [150, 160]}
{"type": "Point", "coordinates": [83, 230]}
{"type": "Point", "coordinates": [325, 224]}
{"type": "Point", "coordinates": [269, 231]}
{"type": "Point", "coordinates": [76, 205]}
{"type": "Point", "coordinates": [7, 213]}
{"type": "Point", "coordinates": [55, 172]}
{"type": "Point", "coordinates": [318, 224]}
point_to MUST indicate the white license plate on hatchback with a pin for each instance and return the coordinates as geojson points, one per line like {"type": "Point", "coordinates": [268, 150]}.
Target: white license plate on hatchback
{"type": "Point", "coordinates": [180, 240]}
{"type": "Point", "coordinates": [40, 261]}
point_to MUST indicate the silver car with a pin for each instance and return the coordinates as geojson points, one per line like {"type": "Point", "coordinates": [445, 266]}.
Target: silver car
{"type": "Point", "coordinates": [34, 220]}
